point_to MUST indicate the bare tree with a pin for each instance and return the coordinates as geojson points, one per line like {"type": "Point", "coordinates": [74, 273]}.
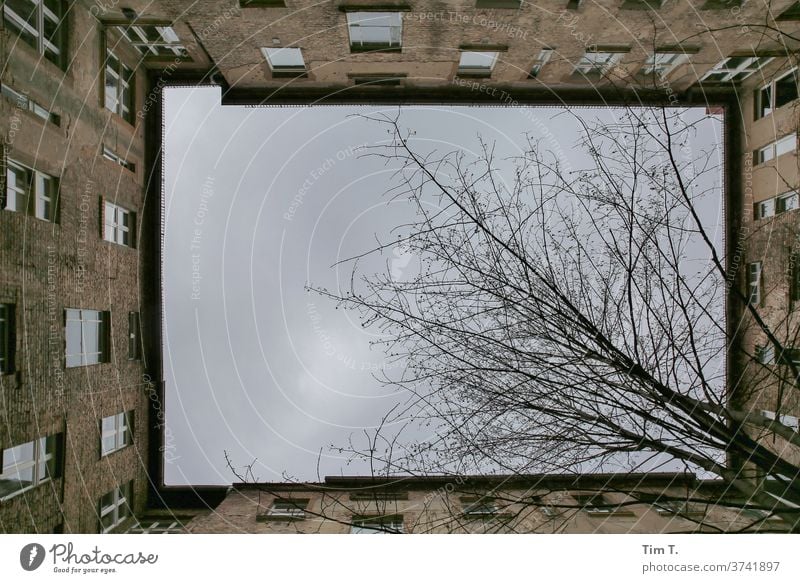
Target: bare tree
{"type": "Point", "coordinates": [574, 320]}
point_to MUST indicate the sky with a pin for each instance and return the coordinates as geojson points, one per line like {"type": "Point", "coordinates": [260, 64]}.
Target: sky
{"type": "Point", "coordinates": [261, 203]}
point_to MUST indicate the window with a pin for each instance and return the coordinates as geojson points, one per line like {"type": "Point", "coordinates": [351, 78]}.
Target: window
{"type": "Point", "coordinates": [87, 337]}
{"type": "Point", "coordinates": [114, 507]}
{"type": "Point", "coordinates": [764, 209]}
{"type": "Point", "coordinates": [594, 503]}
{"type": "Point", "coordinates": [24, 102]}
{"type": "Point", "coordinates": [29, 465]}
{"type": "Point", "coordinates": [735, 68]}
{"type": "Point", "coordinates": [285, 60]}
{"type": "Point", "coordinates": [118, 224]}
{"type": "Point", "coordinates": [134, 337]}
{"type": "Point", "coordinates": [776, 94]}
{"type": "Point", "coordinates": [786, 202]}
{"type": "Point", "coordinates": [794, 277]}
{"type": "Point", "coordinates": [541, 61]}
{"type": "Point", "coordinates": [118, 88]}
{"type": "Point", "coordinates": [109, 154]}
{"type": "Point", "coordinates": [288, 509]}
{"type": "Point", "coordinates": [789, 420]}
{"type": "Point", "coordinates": [116, 432]}
{"type": "Point", "coordinates": [662, 64]}
{"type": "Point", "coordinates": [597, 62]}
{"type": "Point", "coordinates": [480, 508]}
{"type": "Point", "coordinates": [375, 30]}
{"type": "Point", "coordinates": [765, 354]}
{"type": "Point", "coordinates": [754, 283]}
{"type": "Point", "coordinates": [7, 340]}
{"type": "Point", "coordinates": [38, 24]}
{"type": "Point", "coordinates": [155, 41]}
{"type": "Point", "coordinates": [477, 62]}
{"type": "Point", "coordinates": [377, 525]}
{"type": "Point", "coordinates": [783, 146]}
{"type": "Point", "coordinates": [30, 191]}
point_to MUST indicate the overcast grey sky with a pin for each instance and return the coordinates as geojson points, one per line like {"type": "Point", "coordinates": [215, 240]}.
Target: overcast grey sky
{"type": "Point", "coordinates": [259, 203]}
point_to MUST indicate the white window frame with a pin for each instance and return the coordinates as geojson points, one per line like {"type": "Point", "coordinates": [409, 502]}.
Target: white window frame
{"type": "Point", "coordinates": [24, 102]}
{"type": "Point", "coordinates": [754, 276]}
{"type": "Point", "coordinates": [121, 101]}
{"type": "Point", "coordinates": [377, 525]}
{"type": "Point", "coordinates": [764, 209]}
{"type": "Point", "coordinates": [121, 430]}
{"type": "Point", "coordinates": [114, 229]}
{"type": "Point", "coordinates": [745, 67]}
{"type": "Point", "coordinates": [42, 187]}
{"type": "Point", "coordinates": [42, 463]}
{"type": "Point", "coordinates": [157, 527]}
{"type": "Point", "coordinates": [598, 62]}
{"type": "Point", "coordinates": [53, 52]}
{"type": "Point", "coordinates": [477, 69]}
{"type": "Point", "coordinates": [109, 154]}
{"type": "Point", "coordinates": [169, 41]}
{"type": "Point", "coordinates": [119, 509]}
{"type": "Point", "coordinates": [771, 89]}
{"type": "Point", "coordinates": [663, 63]}
{"type": "Point", "coordinates": [788, 201]}
{"type": "Point", "coordinates": [290, 509]}
{"type": "Point", "coordinates": [271, 52]}
{"type": "Point", "coordinates": [773, 150]}
{"type": "Point", "coordinates": [80, 318]}
{"type": "Point", "coordinates": [357, 20]}
{"type": "Point", "coordinates": [541, 60]}
{"type": "Point", "coordinates": [481, 508]}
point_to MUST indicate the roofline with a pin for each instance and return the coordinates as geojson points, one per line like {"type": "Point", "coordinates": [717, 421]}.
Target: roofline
{"type": "Point", "coordinates": [615, 480]}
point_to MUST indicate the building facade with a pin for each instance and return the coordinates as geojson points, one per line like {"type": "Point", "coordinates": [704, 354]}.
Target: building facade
{"type": "Point", "coordinates": [82, 415]}
{"type": "Point", "coordinates": [610, 504]}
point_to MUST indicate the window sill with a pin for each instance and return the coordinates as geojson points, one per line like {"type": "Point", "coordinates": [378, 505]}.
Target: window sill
{"type": "Point", "coordinates": [117, 245]}
{"type": "Point", "coordinates": [82, 366]}
{"type": "Point", "coordinates": [9, 497]}
{"type": "Point", "coordinates": [375, 49]}
{"type": "Point", "coordinates": [113, 451]}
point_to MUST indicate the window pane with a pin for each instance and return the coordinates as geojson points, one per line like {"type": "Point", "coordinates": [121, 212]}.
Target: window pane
{"type": "Point", "coordinates": [108, 443]}
{"type": "Point", "coordinates": [73, 337]}
{"type": "Point", "coordinates": [785, 145]}
{"type": "Point", "coordinates": [18, 455]}
{"type": "Point", "coordinates": [785, 90]}
{"type": "Point", "coordinates": [478, 60]}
